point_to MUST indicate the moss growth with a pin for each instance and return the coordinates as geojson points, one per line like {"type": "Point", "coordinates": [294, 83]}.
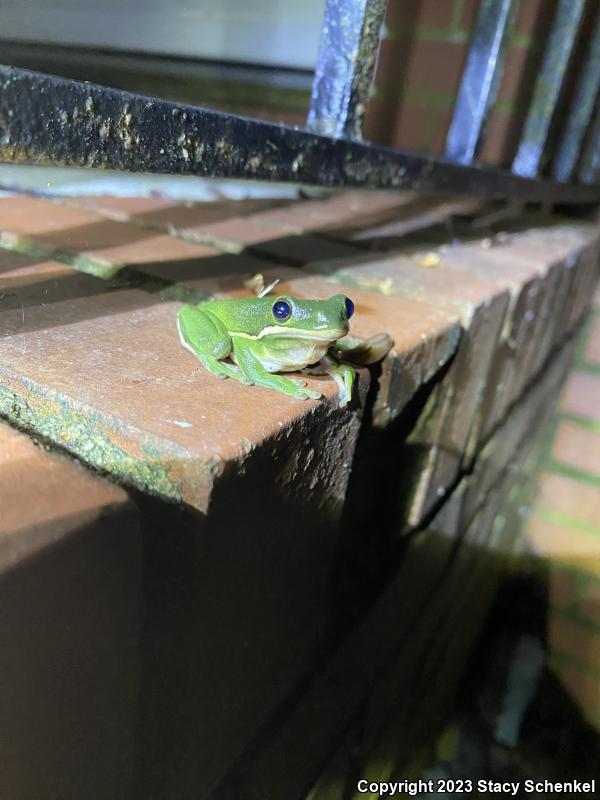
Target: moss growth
{"type": "Point", "coordinates": [81, 434]}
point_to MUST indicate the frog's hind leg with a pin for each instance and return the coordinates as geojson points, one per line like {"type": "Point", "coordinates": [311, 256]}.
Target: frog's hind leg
{"type": "Point", "coordinates": [208, 339]}
{"type": "Point", "coordinates": [259, 376]}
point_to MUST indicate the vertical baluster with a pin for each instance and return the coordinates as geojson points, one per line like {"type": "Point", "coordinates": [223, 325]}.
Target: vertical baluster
{"type": "Point", "coordinates": [481, 79]}
{"type": "Point", "coordinates": [347, 54]}
{"type": "Point", "coordinates": [590, 160]}
{"type": "Point", "coordinates": [547, 87]}
{"type": "Point", "coordinates": [580, 111]}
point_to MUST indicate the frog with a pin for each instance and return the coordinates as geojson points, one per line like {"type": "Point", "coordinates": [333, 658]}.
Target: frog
{"type": "Point", "coordinates": [263, 336]}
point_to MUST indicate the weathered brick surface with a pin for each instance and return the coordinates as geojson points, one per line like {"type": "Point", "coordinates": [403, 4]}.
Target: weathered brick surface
{"type": "Point", "coordinates": [97, 369]}
{"type": "Point", "coordinates": [539, 280]}
{"type": "Point", "coordinates": [584, 688]}
{"type": "Point", "coordinates": [581, 396]}
{"type": "Point", "coordinates": [18, 269]}
{"type": "Point", "coordinates": [90, 242]}
{"type": "Point", "coordinates": [592, 350]}
{"type": "Point", "coordinates": [450, 428]}
{"type": "Point", "coordinates": [570, 497]}
{"type": "Point", "coordinates": [578, 447]}
{"type": "Point", "coordinates": [575, 641]}
{"type": "Point", "coordinates": [113, 360]}
{"type": "Point", "coordinates": [70, 556]}
{"type": "Point", "coordinates": [425, 337]}
{"type": "Point", "coordinates": [407, 676]}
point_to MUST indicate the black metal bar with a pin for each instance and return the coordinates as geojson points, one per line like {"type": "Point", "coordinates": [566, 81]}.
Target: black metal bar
{"type": "Point", "coordinates": [481, 79]}
{"type": "Point", "coordinates": [581, 111]}
{"type": "Point", "coordinates": [347, 54]}
{"type": "Point", "coordinates": [589, 167]}
{"type": "Point", "coordinates": [50, 120]}
{"type": "Point", "coordinates": [547, 87]}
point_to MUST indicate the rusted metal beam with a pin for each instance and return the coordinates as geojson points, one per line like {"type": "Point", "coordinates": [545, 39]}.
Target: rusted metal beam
{"type": "Point", "coordinates": [50, 120]}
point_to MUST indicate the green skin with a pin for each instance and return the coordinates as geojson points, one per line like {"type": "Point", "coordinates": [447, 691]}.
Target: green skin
{"type": "Point", "coordinates": [259, 344]}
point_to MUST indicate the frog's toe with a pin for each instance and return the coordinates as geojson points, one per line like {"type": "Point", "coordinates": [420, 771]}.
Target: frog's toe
{"type": "Point", "coordinates": [311, 394]}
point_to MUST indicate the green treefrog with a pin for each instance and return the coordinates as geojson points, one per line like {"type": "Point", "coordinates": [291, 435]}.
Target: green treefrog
{"type": "Point", "coordinates": [265, 335]}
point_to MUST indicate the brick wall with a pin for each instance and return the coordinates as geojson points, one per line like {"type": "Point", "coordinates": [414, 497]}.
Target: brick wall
{"type": "Point", "coordinates": [564, 530]}
{"type": "Point", "coordinates": [420, 66]}
{"type": "Point", "coordinates": [311, 579]}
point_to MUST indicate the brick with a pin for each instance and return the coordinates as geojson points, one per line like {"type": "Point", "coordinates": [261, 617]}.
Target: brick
{"type": "Point", "coordinates": [583, 687]}
{"type": "Point", "coordinates": [564, 544]}
{"type": "Point", "coordinates": [157, 416]}
{"type": "Point", "coordinates": [372, 669]}
{"type": "Point", "coordinates": [592, 349]}
{"type": "Point", "coordinates": [481, 307]}
{"type": "Point", "coordinates": [70, 593]}
{"type": "Point", "coordinates": [563, 591]}
{"type": "Point", "coordinates": [161, 213]}
{"type": "Point", "coordinates": [501, 139]}
{"type": "Point", "coordinates": [571, 498]}
{"type": "Point", "coordinates": [19, 269]}
{"type": "Point", "coordinates": [429, 13]}
{"type": "Point", "coordinates": [577, 447]}
{"type": "Point", "coordinates": [412, 217]}
{"type": "Point", "coordinates": [93, 244]}
{"type": "Point", "coordinates": [581, 396]}
{"type": "Point", "coordinates": [451, 426]}
{"type": "Point", "coordinates": [449, 60]}
{"type": "Point", "coordinates": [535, 280]}
{"type": "Point", "coordinates": [411, 128]}
{"type": "Point", "coordinates": [589, 607]}
{"type": "Point", "coordinates": [580, 644]}
{"type": "Point", "coordinates": [520, 430]}
{"type": "Point", "coordinates": [380, 119]}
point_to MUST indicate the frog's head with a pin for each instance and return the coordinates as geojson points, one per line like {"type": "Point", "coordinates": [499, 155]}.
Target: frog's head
{"type": "Point", "coordinates": [318, 320]}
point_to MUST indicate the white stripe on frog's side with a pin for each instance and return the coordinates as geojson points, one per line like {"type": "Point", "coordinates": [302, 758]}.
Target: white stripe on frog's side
{"type": "Point", "coordinates": [302, 333]}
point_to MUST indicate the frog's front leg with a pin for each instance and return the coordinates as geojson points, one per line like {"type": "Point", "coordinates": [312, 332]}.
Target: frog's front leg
{"type": "Point", "coordinates": [204, 335]}
{"type": "Point", "coordinates": [343, 374]}
{"type": "Point", "coordinates": [362, 351]}
{"type": "Point", "coordinates": [254, 371]}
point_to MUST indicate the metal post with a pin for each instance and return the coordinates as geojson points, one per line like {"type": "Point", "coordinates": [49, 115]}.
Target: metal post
{"type": "Point", "coordinates": [481, 79]}
{"type": "Point", "coordinates": [547, 87]}
{"type": "Point", "coordinates": [580, 112]}
{"type": "Point", "coordinates": [347, 54]}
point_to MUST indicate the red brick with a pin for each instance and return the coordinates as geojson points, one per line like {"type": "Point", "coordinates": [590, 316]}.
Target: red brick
{"type": "Point", "coordinates": [533, 17]}
{"type": "Point", "coordinates": [93, 243]}
{"type": "Point", "coordinates": [169, 215]}
{"type": "Point", "coordinates": [571, 498]}
{"type": "Point", "coordinates": [564, 544]}
{"type": "Point", "coordinates": [160, 420]}
{"type": "Point", "coordinates": [589, 607]}
{"type": "Point", "coordinates": [428, 13]}
{"type": "Point", "coordinates": [579, 643]}
{"type": "Point", "coordinates": [380, 120]}
{"type": "Point", "coordinates": [583, 687]}
{"type": "Point", "coordinates": [420, 73]}
{"type": "Point", "coordinates": [418, 214]}
{"type": "Point", "coordinates": [592, 349]}
{"type": "Point", "coordinates": [577, 447]}
{"type": "Point", "coordinates": [482, 308]}
{"type": "Point", "coordinates": [581, 396]}
{"type": "Point", "coordinates": [19, 269]}
{"type": "Point", "coordinates": [563, 590]}
{"type": "Point", "coordinates": [70, 592]}
{"type": "Point", "coordinates": [411, 129]}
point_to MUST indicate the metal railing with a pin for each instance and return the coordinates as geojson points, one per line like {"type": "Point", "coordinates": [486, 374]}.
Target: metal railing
{"type": "Point", "coordinates": [50, 120]}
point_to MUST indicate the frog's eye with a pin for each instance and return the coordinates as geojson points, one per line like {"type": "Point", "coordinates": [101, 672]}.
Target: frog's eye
{"type": "Point", "coordinates": [282, 310]}
{"type": "Point", "coordinates": [349, 307]}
